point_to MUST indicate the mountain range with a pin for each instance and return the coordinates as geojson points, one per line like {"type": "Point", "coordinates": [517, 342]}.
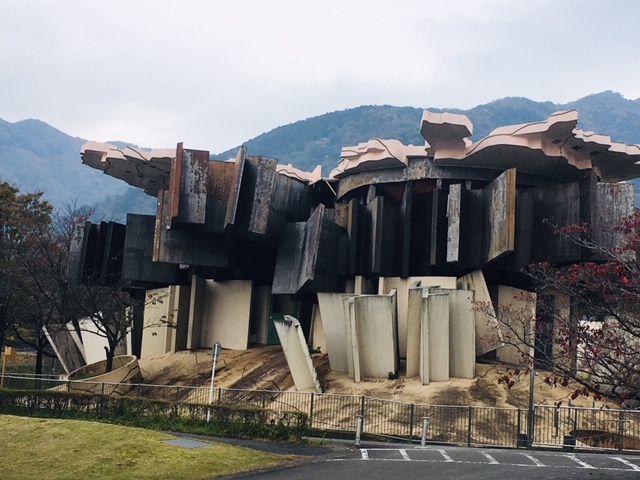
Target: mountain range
{"type": "Point", "coordinates": [37, 157]}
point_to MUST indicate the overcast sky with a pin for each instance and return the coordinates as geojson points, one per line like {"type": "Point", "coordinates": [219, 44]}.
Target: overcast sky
{"type": "Point", "coordinates": [214, 74]}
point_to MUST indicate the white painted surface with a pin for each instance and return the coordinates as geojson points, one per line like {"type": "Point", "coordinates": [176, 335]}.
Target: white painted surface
{"type": "Point", "coordinates": [297, 355]}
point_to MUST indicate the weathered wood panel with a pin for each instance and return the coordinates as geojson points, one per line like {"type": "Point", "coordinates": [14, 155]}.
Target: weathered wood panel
{"type": "Point", "coordinates": [382, 234]}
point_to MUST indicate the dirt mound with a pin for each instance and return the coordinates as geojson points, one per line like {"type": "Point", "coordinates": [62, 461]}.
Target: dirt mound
{"type": "Point", "coordinates": [265, 368]}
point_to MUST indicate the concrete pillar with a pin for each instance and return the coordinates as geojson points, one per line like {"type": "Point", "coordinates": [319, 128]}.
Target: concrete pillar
{"type": "Point", "coordinates": [462, 334]}
{"type": "Point", "coordinates": [196, 307]}
{"type": "Point", "coordinates": [437, 318]}
{"type": "Point", "coordinates": [318, 340]}
{"type": "Point", "coordinates": [226, 314]}
{"type": "Point", "coordinates": [260, 312]}
{"type": "Point", "coordinates": [335, 317]}
{"type": "Point", "coordinates": [180, 309]}
{"type": "Point", "coordinates": [402, 286]}
{"type": "Point", "coordinates": [488, 334]}
{"type": "Point", "coordinates": [414, 332]}
{"type": "Point", "coordinates": [516, 310]}
{"type": "Point", "coordinates": [296, 353]}
{"type": "Point", "coordinates": [157, 335]}
{"type": "Point", "coordinates": [375, 320]}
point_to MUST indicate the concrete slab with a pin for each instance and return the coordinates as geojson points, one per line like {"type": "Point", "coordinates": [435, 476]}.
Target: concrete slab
{"type": "Point", "coordinates": [226, 314]}
{"type": "Point", "coordinates": [462, 334]}
{"type": "Point", "coordinates": [436, 324]}
{"type": "Point", "coordinates": [516, 310]}
{"type": "Point", "coordinates": [296, 352]}
{"type": "Point", "coordinates": [488, 334]}
{"type": "Point", "coordinates": [335, 316]}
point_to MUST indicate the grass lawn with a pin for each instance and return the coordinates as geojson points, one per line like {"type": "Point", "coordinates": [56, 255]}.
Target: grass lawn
{"type": "Point", "coordinates": [72, 449]}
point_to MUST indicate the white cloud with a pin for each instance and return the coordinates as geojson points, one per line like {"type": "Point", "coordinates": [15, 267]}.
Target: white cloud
{"type": "Point", "coordinates": [215, 74]}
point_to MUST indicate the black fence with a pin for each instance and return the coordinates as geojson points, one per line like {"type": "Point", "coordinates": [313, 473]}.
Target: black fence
{"type": "Point", "coordinates": [562, 427]}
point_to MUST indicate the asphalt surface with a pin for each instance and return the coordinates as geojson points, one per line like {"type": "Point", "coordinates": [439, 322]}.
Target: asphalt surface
{"type": "Point", "coordinates": [342, 459]}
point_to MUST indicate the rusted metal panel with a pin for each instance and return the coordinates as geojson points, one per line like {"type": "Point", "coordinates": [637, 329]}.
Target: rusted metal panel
{"type": "Point", "coordinates": [175, 182]}
{"type": "Point", "coordinates": [499, 216]}
{"type": "Point", "coordinates": [220, 177]}
{"type": "Point", "coordinates": [234, 188]}
{"type": "Point", "coordinates": [265, 171]}
{"type": "Point", "coordinates": [159, 224]}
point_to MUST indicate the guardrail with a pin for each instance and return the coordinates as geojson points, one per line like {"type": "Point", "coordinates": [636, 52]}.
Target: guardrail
{"type": "Point", "coordinates": [561, 427]}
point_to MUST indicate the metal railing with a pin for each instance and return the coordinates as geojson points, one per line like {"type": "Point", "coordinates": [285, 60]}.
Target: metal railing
{"type": "Point", "coordinates": [561, 427]}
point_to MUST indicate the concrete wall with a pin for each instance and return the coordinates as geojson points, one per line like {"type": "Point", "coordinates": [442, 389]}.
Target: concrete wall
{"type": "Point", "coordinates": [516, 310]}
{"type": "Point", "coordinates": [402, 285]}
{"type": "Point", "coordinates": [196, 308]}
{"type": "Point", "coordinates": [488, 334]}
{"type": "Point", "coordinates": [296, 352]}
{"type": "Point", "coordinates": [158, 338]}
{"type": "Point", "coordinates": [376, 325]}
{"type": "Point", "coordinates": [181, 309]}
{"type": "Point", "coordinates": [260, 311]}
{"type": "Point", "coordinates": [318, 339]}
{"type": "Point", "coordinates": [94, 343]}
{"type": "Point", "coordinates": [462, 334]}
{"type": "Point", "coordinates": [436, 316]}
{"type": "Point", "coordinates": [414, 332]}
{"type": "Point", "coordinates": [226, 314]}
{"type": "Point", "coordinates": [335, 316]}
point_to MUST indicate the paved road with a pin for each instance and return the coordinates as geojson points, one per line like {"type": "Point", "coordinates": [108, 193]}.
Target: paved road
{"type": "Point", "coordinates": [459, 463]}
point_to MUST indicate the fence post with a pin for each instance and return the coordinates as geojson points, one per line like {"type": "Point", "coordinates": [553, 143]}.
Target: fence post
{"type": "Point", "coordinates": [425, 429]}
{"type": "Point", "coordinates": [139, 390]}
{"type": "Point", "coordinates": [359, 429]}
{"type": "Point", "coordinates": [621, 431]}
{"type": "Point", "coordinates": [411, 411]}
{"type": "Point", "coordinates": [311, 411]}
{"type": "Point", "coordinates": [102, 388]}
{"type": "Point", "coordinates": [470, 426]}
{"type": "Point", "coordinates": [219, 393]}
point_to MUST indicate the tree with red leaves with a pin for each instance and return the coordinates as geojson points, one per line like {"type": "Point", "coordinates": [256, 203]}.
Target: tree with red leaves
{"type": "Point", "coordinates": [588, 315]}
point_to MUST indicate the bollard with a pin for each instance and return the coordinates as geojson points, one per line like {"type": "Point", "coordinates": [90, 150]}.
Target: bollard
{"type": "Point", "coordinates": [425, 428]}
{"type": "Point", "coordinates": [359, 429]}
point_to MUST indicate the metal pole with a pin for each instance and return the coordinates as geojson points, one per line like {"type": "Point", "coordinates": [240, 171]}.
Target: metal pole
{"type": "Point", "coordinates": [216, 352]}
{"type": "Point", "coordinates": [359, 429]}
{"type": "Point", "coordinates": [530, 424]}
{"type": "Point", "coordinates": [425, 429]}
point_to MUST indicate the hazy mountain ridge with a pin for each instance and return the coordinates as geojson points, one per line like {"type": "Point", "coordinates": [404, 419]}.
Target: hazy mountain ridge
{"type": "Point", "coordinates": [36, 156]}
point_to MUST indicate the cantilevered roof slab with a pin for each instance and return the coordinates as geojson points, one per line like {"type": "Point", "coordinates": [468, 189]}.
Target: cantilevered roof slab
{"type": "Point", "coordinates": [148, 170]}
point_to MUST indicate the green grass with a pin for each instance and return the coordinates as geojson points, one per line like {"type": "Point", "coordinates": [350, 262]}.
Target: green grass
{"type": "Point", "coordinates": [73, 449]}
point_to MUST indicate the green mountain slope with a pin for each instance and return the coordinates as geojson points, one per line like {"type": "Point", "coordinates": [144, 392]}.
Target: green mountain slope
{"type": "Point", "coordinates": [36, 156]}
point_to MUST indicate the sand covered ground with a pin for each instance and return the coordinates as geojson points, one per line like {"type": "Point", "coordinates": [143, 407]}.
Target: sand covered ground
{"type": "Point", "coordinates": [266, 368]}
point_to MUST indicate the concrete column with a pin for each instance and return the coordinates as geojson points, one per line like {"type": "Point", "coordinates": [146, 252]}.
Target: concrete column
{"type": "Point", "coordinates": [488, 334]}
{"type": "Point", "coordinates": [196, 306]}
{"type": "Point", "coordinates": [414, 332]}
{"type": "Point", "coordinates": [516, 310]}
{"type": "Point", "coordinates": [437, 318]}
{"type": "Point", "coordinates": [335, 318]}
{"type": "Point", "coordinates": [318, 339]}
{"type": "Point", "coordinates": [296, 353]}
{"type": "Point", "coordinates": [227, 314]}
{"type": "Point", "coordinates": [462, 334]}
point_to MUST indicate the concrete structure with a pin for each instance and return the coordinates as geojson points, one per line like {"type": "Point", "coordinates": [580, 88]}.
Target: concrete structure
{"type": "Point", "coordinates": [296, 352]}
{"type": "Point", "coordinates": [166, 318]}
{"type": "Point", "coordinates": [252, 238]}
{"type": "Point", "coordinates": [516, 313]}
